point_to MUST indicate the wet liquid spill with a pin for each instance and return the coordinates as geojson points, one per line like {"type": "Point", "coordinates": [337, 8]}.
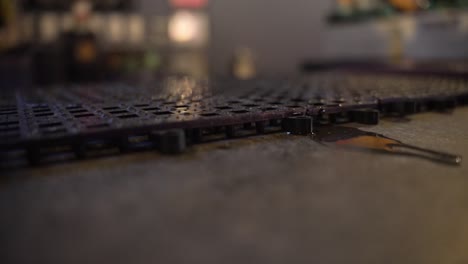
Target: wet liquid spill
{"type": "Point", "coordinates": [363, 140]}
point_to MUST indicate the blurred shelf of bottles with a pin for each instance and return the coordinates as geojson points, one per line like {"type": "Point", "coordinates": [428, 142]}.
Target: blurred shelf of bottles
{"type": "Point", "coordinates": [113, 29]}
{"type": "Point", "coordinates": [64, 6]}
{"type": "Point", "coordinates": [351, 11]}
{"type": "Point", "coordinates": [118, 37]}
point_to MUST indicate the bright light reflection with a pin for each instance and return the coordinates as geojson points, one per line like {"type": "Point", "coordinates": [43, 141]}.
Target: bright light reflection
{"type": "Point", "coordinates": [184, 27]}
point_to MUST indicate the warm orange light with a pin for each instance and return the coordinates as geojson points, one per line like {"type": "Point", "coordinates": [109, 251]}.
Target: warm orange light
{"type": "Point", "coordinates": [409, 5]}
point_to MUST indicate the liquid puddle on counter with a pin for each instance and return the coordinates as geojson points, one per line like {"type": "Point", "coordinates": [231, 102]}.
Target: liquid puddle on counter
{"type": "Point", "coordinates": [354, 138]}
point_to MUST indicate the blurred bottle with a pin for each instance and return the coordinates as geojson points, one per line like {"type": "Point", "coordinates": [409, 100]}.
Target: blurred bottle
{"type": "Point", "coordinates": [243, 64]}
{"type": "Point", "coordinates": [188, 31]}
{"type": "Point", "coordinates": [5, 12]}
{"type": "Point", "coordinates": [8, 30]}
{"type": "Point", "coordinates": [80, 46]}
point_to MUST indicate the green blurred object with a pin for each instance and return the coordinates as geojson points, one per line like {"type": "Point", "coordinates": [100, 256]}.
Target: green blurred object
{"type": "Point", "coordinates": [152, 61]}
{"type": "Point", "coordinates": [359, 13]}
{"type": "Point", "coordinates": [383, 9]}
{"type": "Point", "coordinates": [463, 3]}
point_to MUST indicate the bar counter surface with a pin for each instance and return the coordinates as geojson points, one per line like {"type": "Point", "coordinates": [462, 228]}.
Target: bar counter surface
{"type": "Point", "coordinates": [266, 199]}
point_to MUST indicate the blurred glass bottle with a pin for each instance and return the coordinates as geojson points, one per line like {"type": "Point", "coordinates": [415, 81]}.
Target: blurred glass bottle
{"type": "Point", "coordinates": [189, 35]}
{"type": "Point", "coordinates": [243, 64]}
{"type": "Point", "coordinates": [80, 46]}
{"type": "Point", "coordinates": [8, 24]}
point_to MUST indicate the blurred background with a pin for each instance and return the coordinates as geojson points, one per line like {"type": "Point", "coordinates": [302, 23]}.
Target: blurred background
{"type": "Point", "coordinates": [45, 42]}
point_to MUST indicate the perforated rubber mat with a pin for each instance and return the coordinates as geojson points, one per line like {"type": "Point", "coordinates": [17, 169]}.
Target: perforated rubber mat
{"type": "Point", "coordinates": [84, 120]}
